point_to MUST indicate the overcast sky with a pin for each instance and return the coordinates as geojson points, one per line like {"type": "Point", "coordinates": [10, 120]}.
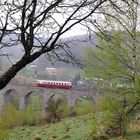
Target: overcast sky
{"type": "Point", "coordinates": [76, 30]}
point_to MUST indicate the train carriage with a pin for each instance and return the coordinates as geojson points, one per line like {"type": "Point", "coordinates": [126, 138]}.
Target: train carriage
{"type": "Point", "coordinates": [57, 84]}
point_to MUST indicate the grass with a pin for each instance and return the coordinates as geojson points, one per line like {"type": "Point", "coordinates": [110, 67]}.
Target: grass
{"type": "Point", "coordinates": [76, 128]}
{"type": "Point", "coordinates": [70, 129]}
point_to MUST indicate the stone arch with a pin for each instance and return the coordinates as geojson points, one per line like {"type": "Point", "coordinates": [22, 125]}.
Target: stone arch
{"type": "Point", "coordinates": [58, 96]}
{"type": "Point", "coordinates": [56, 99]}
{"type": "Point", "coordinates": [34, 100]}
{"type": "Point", "coordinates": [11, 96]}
{"type": "Point", "coordinates": [83, 98]}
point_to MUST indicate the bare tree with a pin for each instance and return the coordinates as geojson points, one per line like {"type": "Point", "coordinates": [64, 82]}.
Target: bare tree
{"type": "Point", "coordinates": [32, 20]}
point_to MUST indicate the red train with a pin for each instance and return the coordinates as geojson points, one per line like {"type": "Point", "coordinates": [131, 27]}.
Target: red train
{"type": "Point", "coordinates": [57, 84]}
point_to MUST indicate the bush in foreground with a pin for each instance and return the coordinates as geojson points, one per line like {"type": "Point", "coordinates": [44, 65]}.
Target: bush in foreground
{"type": "Point", "coordinates": [57, 109]}
{"type": "Point", "coordinates": [84, 107]}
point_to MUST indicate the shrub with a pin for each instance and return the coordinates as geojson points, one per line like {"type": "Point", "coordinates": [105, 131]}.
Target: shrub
{"type": "Point", "coordinates": [56, 110]}
{"type": "Point", "coordinates": [9, 117]}
{"type": "Point", "coordinates": [115, 114]}
{"type": "Point", "coordinates": [97, 132]}
{"type": "Point", "coordinates": [116, 117]}
{"type": "Point", "coordinates": [84, 107]}
{"type": "Point", "coordinates": [30, 117]}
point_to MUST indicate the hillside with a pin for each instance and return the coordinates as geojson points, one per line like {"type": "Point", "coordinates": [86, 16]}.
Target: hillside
{"type": "Point", "coordinates": [76, 46]}
{"type": "Point", "coordinates": [69, 129]}
{"type": "Point", "coordinates": [77, 128]}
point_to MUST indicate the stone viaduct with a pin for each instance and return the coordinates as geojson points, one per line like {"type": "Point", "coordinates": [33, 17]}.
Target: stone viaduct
{"type": "Point", "coordinates": [24, 92]}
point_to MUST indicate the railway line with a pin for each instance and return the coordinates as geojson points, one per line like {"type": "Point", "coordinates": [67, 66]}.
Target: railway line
{"type": "Point", "coordinates": [72, 88]}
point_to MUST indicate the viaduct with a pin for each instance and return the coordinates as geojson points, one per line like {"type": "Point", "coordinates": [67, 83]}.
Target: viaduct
{"type": "Point", "coordinates": [22, 93]}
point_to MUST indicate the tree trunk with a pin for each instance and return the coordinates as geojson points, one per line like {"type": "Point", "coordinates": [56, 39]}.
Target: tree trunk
{"type": "Point", "coordinates": [134, 41]}
{"type": "Point", "coordinates": [14, 69]}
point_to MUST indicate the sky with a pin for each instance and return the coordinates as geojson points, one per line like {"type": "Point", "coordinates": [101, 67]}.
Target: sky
{"type": "Point", "coordinates": [76, 30]}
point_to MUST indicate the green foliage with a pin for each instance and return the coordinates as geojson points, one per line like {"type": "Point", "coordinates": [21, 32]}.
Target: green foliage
{"type": "Point", "coordinates": [84, 107]}
{"type": "Point", "coordinates": [97, 128]}
{"type": "Point", "coordinates": [35, 101]}
{"type": "Point", "coordinates": [112, 60]}
{"type": "Point", "coordinates": [9, 117]}
{"type": "Point", "coordinates": [29, 116]}
{"type": "Point", "coordinates": [114, 66]}
{"type": "Point", "coordinates": [114, 116]}
{"type": "Point", "coordinates": [116, 119]}
{"type": "Point", "coordinates": [74, 128]}
{"type": "Point", "coordinates": [4, 134]}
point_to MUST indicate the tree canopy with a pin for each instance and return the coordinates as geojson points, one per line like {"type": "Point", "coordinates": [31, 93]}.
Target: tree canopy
{"type": "Point", "coordinates": [32, 20]}
{"type": "Point", "coordinates": [116, 57]}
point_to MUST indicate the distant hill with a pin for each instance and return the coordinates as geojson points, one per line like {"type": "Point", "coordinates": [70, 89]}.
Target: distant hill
{"type": "Point", "coordinates": [76, 46]}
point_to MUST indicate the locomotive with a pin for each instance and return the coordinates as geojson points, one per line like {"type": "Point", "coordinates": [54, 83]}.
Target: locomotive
{"type": "Point", "coordinates": [54, 84]}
